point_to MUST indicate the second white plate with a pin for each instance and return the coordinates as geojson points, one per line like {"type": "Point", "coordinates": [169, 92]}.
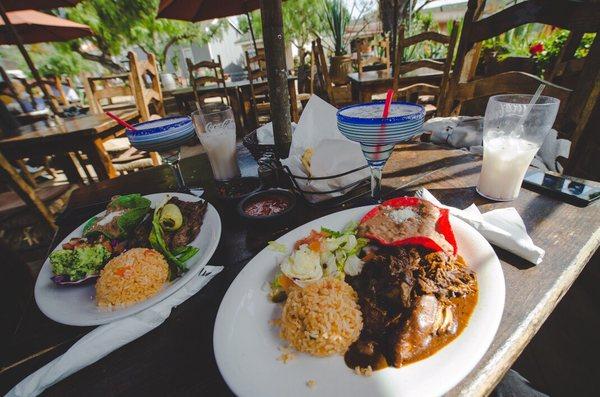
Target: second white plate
{"type": "Point", "coordinates": [75, 305]}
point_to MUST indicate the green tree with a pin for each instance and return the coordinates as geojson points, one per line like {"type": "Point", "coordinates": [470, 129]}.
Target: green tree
{"type": "Point", "coordinates": [302, 21]}
{"type": "Point", "coordinates": [119, 24]}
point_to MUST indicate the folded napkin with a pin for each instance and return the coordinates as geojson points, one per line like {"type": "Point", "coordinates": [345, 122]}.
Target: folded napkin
{"type": "Point", "coordinates": [465, 132]}
{"type": "Point", "coordinates": [108, 338]}
{"type": "Point", "coordinates": [502, 227]}
{"type": "Point", "coordinates": [332, 153]}
{"type": "Point", "coordinates": [264, 134]}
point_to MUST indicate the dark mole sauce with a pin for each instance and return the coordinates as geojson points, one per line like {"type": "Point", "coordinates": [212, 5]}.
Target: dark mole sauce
{"type": "Point", "coordinates": [359, 355]}
{"type": "Point", "coordinates": [266, 206]}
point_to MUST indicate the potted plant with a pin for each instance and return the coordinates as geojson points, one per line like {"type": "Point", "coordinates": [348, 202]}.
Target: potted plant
{"type": "Point", "coordinates": [338, 18]}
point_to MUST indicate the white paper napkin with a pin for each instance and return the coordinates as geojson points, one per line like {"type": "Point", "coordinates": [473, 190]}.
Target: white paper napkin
{"type": "Point", "coordinates": [108, 338]}
{"type": "Point", "coordinates": [264, 133]}
{"type": "Point", "coordinates": [502, 227]}
{"type": "Point", "coordinates": [333, 153]}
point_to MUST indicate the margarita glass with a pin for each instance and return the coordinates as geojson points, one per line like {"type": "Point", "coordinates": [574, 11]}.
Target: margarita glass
{"type": "Point", "coordinates": [164, 136]}
{"type": "Point", "coordinates": [377, 136]}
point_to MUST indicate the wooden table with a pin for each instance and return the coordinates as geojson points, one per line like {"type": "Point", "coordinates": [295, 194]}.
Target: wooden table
{"type": "Point", "coordinates": [83, 133]}
{"type": "Point", "coordinates": [177, 358]}
{"type": "Point", "coordinates": [239, 98]}
{"type": "Point", "coordinates": [366, 84]}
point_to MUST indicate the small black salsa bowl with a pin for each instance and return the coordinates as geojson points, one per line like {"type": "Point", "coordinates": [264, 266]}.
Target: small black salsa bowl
{"type": "Point", "coordinates": [281, 195]}
{"type": "Point", "coordinates": [238, 188]}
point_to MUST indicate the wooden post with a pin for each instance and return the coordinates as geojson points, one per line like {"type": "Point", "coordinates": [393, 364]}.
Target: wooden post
{"type": "Point", "coordinates": [279, 96]}
{"type": "Point", "coordinates": [34, 71]}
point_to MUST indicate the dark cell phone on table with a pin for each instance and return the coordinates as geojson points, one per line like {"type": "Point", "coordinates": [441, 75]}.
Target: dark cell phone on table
{"type": "Point", "coordinates": [573, 190]}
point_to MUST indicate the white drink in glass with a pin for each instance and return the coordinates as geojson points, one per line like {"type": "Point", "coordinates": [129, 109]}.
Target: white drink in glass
{"type": "Point", "coordinates": [514, 127]}
{"type": "Point", "coordinates": [505, 162]}
{"type": "Point", "coordinates": [215, 126]}
{"type": "Point", "coordinates": [219, 143]}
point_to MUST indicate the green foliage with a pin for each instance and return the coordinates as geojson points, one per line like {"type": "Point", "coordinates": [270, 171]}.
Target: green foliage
{"type": "Point", "coordinates": [59, 60]}
{"type": "Point", "coordinates": [119, 24]}
{"type": "Point", "coordinates": [515, 42]}
{"type": "Point", "coordinates": [301, 21]}
{"type": "Point", "coordinates": [554, 43]}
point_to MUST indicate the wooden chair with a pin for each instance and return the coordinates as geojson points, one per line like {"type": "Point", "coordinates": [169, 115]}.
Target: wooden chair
{"type": "Point", "coordinates": [208, 72]}
{"type": "Point", "coordinates": [413, 92]}
{"type": "Point", "coordinates": [12, 90]}
{"type": "Point", "coordinates": [27, 215]}
{"type": "Point", "coordinates": [566, 69]}
{"type": "Point", "coordinates": [259, 102]}
{"type": "Point", "coordinates": [372, 60]}
{"type": "Point", "coordinates": [148, 95]}
{"type": "Point", "coordinates": [576, 113]}
{"type": "Point", "coordinates": [110, 93]}
{"type": "Point", "coordinates": [336, 95]}
{"type": "Point", "coordinates": [55, 98]}
{"type": "Point", "coordinates": [146, 87]}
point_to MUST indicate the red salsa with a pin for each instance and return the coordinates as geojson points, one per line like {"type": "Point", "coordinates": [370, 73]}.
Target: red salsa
{"type": "Point", "coordinates": [266, 206]}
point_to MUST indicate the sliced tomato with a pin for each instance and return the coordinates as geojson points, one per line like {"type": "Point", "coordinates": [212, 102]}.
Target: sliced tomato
{"type": "Point", "coordinates": [442, 225]}
{"type": "Point", "coordinates": [313, 236]}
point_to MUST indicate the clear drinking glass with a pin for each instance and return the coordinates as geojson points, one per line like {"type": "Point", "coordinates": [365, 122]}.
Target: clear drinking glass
{"type": "Point", "coordinates": [510, 142]}
{"type": "Point", "coordinates": [215, 127]}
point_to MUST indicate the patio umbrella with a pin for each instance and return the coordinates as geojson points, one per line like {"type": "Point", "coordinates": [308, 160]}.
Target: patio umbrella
{"type": "Point", "coordinates": [36, 27]}
{"type": "Point", "coordinates": [272, 22]}
{"type": "Point", "coordinates": [204, 10]}
{"type": "Point", "coordinates": [11, 32]}
{"type": "Point", "coordinates": [15, 5]}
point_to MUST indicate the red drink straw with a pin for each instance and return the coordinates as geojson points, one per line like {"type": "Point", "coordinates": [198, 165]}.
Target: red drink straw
{"type": "Point", "coordinates": [121, 121]}
{"type": "Point", "coordinates": [388, 103]}
{"type": "Point", "coordinates": [386, 110]}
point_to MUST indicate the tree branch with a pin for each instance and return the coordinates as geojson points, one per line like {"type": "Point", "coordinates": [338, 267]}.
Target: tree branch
{"type": "Point", "coordinates": [172, 41]}
{"type": "Point", "coordinates": [102, 59]}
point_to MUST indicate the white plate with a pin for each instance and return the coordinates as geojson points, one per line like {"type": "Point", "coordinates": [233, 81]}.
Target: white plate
{"type": "Point", "coordinates": [246, 346]}
{"type": "Point", "coordinates": [75, 305]}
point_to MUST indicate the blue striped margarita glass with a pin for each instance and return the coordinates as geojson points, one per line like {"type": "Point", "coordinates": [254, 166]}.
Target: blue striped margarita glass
{"type": "Point", "coordinates": [164, 136]}
{"type": "Point", "coordinates": [377, 136]}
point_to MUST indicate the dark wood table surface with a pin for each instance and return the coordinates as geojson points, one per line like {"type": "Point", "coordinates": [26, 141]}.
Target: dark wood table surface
{"type": "Point", "coordinates": [364, 85]}
{"type": "Point", "coordinates": [177, 357]}
{"type": "Point", "coordinates": [239, 98]}
{"type": "Point", "coordinates": [82, 133]}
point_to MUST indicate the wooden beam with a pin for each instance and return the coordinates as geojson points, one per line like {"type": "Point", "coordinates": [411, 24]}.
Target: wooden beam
{"type": "Point", "coordinates": [279, 96]}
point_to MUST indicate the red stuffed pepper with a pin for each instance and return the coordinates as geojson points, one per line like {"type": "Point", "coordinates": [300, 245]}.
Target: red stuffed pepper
{"type": "Point", "coordinates": [409, 221]}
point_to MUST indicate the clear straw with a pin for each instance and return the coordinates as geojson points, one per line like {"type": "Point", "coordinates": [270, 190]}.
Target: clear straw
{"type": "Point", "coordinates": [532, 102]}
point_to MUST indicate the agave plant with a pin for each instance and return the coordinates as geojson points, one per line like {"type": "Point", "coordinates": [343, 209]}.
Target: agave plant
{"type": "Point", "coordinates": [338, 18]}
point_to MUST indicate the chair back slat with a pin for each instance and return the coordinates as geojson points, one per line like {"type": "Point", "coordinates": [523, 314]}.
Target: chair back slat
{"type": "Point", "coordinates": [105, 88]}
{"type": "Point", "coordinates": [208, 72]}
{"type": "Point", "coordinates": [421, 63]}
{"type": "Point", "coordinates": [426, 36]}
